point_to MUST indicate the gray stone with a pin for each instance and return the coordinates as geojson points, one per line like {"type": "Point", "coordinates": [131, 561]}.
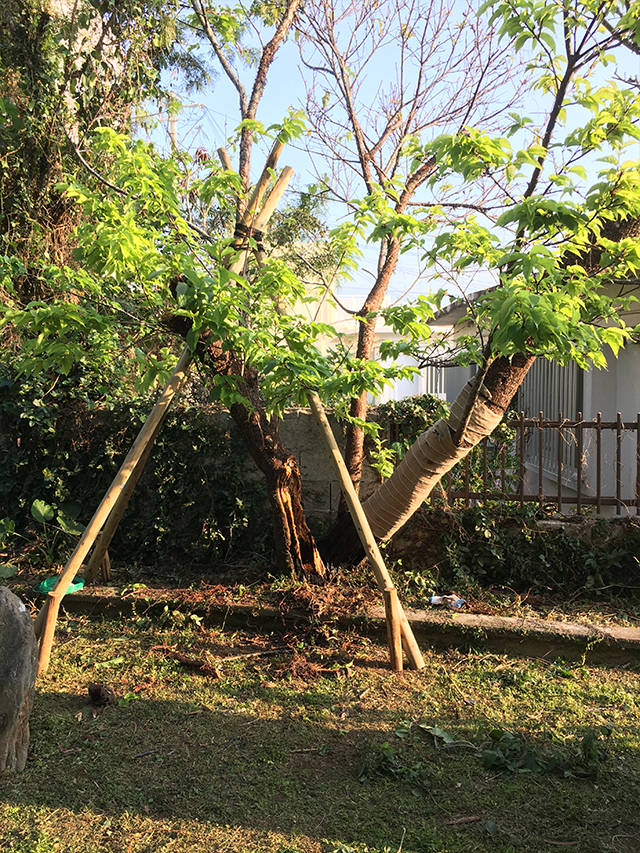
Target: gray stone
{"type": "Point", "coordinates": [18, 669]}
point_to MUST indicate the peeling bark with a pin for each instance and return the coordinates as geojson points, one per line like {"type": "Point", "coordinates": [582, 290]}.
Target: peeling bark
{"type": "Point", "coordinates": [295, 546]}
{"type": "Point", "coordinates": [296, 549]}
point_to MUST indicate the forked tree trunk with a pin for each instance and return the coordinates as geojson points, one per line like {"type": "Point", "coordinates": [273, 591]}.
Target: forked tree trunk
{"type": "Point", "coordinates": [475, 413]}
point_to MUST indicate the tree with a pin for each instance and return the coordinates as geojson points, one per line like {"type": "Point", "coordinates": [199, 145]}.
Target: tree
{"type": "Point", "coordinates": [65, 72]}
{"type": "Point", "coordinates": [553, 245]}
{"type": "Point", "coordinates": [385, 80]}
{"type": "Point", "coordinates": [556, 244]}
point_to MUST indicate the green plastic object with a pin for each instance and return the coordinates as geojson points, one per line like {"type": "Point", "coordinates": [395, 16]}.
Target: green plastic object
{"type": "Point", "coordinates": [48, 584]}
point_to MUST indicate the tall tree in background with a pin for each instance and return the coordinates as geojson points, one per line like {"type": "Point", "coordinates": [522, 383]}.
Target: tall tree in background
{"type": "Point", "coordinates": [67, 68]}
{"type": "Point", "coordinates": [558, 241]}
{"type": "Point", "coordinates": [383, 81]}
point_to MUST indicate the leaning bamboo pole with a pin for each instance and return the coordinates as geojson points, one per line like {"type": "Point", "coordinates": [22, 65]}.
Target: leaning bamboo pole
{"type": "Point", "coordinates": [361, 524]}
{"type": "Point", "coordinates": [108, 514]}
{"type": "Point", "coordinates": [395, 613]}
{"type": "Point", "coordinates": [257, 224]}
{"type": "Point", "coordinates": [111, 525]}
{"type": "Point", "coordinates": [45, 623]}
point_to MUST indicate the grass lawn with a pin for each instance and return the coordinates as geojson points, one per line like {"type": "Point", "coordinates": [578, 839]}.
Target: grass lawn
{"type": "Point", "coordinates": [306, 742]}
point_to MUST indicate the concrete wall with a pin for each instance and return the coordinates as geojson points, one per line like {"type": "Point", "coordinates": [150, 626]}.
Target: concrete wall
{"type": "Point", "coordinates": [320, 487]}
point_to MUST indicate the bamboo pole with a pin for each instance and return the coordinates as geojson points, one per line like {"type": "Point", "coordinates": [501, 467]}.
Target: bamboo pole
{"type": "Point", "coordinates": [45, 623]}
{"type": "Point", "coordinates": [224, 159]}
{"type": "Point", "coordinates": [258, 224]}
{"type": "Point", "coordinates": [392, 613]}
{"type": "Point", "coordinates": [361, 523]}
{"type": "Point", "coordinates": [111, 525]}
{"type": "Point", "coordinates": [115, 501]}
{"type": "Point", "coordinates": [263, 180]}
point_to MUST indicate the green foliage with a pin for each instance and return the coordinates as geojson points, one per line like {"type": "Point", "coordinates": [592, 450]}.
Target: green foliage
{"type": "Point", "coordinates": [57, 80]}
{"type": "Point", "coordinates": [194, 503]}
{"type": "Point", "coordinates": [506, 751]}
{"type": "Point", "coordinates": [134, 243]}
{"type": "Point", "coordinates": [386, 762]}
{"type": "Point", "coordinates": [504, 546]}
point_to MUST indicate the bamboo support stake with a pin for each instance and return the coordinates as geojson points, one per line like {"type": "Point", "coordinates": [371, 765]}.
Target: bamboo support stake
{"type": "Point", "coordinates": [224, 159]}
{"type": "Point", "coordinates": [111, 525]}
{"type": "Point", "coordinates": [394, 632]}
{"type": "Point", "coordinates": [263, 180]}
{"type": "Point", "coordinates": [367, 538]}
{"type": "Point", "coordinates": [273, 198]}
{"type": "Point", "coordinates": [361, 523]}
{"type": "Point", "coordinates": [49, 612]}
{"type": "Point", "coordinates": [116, 499]}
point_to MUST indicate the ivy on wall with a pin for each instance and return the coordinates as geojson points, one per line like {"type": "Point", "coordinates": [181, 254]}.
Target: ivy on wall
{"type": "Point", "coordinates": [195, 501]}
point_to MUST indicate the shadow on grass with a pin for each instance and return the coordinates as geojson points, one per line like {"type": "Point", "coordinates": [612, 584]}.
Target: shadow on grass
{"type": "Point", "coordinates": [172, 760]}
{"type": "Point", "coordinates": [261, 760]}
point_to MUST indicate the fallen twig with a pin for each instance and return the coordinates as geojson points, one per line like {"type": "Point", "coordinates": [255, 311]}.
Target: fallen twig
{"type": "Point", "coordinates": [199, 665]}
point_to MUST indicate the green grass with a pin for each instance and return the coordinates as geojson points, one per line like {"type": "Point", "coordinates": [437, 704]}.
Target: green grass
{"type": "Point", "coordinates": [285, 752]}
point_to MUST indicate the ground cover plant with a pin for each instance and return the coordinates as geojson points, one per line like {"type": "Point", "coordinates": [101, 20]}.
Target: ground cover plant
{"type": "Point", "coordinates": [306, 742]}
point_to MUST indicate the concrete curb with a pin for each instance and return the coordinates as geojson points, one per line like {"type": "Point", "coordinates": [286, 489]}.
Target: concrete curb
{"type": "Point", "coordinates": [537, 638]}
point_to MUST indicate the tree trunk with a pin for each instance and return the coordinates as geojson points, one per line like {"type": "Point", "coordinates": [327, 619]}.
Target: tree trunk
{"type": "Point", "coordinates": [475, 413]}
{"type": "Point", "coordinates": [354, 449]}
{"type": "Point", "coordinates": [296, 549]}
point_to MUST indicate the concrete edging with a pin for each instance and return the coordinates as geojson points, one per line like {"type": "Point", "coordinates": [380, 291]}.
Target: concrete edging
{"type": "Point", "coordinates": [538, 638]}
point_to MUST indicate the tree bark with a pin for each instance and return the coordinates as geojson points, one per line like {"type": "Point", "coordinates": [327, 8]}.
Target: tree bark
{"type": "Point", "coordinates": [295, 546]}
{"type": "Point", "coordinates": [354, 449]}
{"type": "Point", "coordinates": [475, 413]}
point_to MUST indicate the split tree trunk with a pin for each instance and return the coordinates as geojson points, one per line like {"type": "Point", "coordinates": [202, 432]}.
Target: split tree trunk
{"type": "Point", "coordinates": [295, 546]}
{"type": "Point", "coordinates": [475, 413]}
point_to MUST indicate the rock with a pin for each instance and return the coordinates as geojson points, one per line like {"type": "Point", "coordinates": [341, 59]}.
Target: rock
{"type": "Point", "coordinates": [18, 669]}
{"type": "Point", "coordinates": [101, 695]}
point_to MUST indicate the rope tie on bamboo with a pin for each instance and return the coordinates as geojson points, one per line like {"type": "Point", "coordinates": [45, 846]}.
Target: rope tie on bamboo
{"type": "Point", "coordinates": [431, 456]}
{"type": "Point", "coordinates": [245, 232]}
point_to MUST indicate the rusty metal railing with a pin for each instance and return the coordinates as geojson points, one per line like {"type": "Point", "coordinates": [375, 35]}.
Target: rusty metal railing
{"type": "Point", "coordinates": [557, 461]}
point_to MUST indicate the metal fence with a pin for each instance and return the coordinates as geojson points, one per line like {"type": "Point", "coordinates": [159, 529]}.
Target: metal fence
{"type": "Point", "coordinates": [557, 461]}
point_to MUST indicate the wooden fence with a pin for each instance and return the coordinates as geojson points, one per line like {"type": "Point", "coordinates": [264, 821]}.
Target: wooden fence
{"type": "Point", "coordinates": [562, 462]}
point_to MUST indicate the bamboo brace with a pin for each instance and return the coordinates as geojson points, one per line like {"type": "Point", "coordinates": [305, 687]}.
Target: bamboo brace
{"type": "Point", "coordinates": [45, 623]}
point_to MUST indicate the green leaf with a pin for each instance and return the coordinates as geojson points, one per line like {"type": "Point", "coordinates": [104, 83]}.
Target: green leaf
{"type": "Point", "coordinates": [438, 733]}
{"type": "Point", "coordinates": [42, 511]}
{"type": "Point", "coordinates": [7, 570]}
{"type": "Point", "coordinates": [69, 525]}
{"type": "Point", "coordinates": [491, 827]}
